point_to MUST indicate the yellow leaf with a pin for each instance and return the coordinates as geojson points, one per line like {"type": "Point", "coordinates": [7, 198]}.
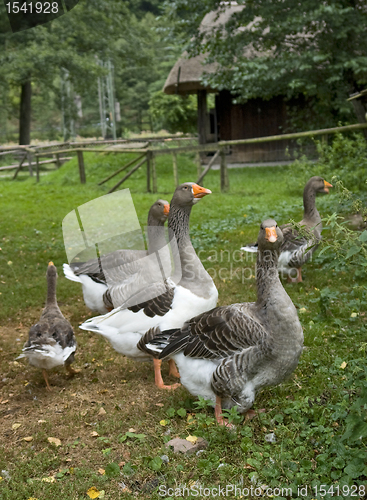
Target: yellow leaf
{"type": "Point", "coordinates": [54, 441]}
{"type": "Point", "coordinates": [32, 498]}
{"type": "Point", "coordinates": [343, 365]}
{"type": "Point", "coordinates": [15, 426]}
{"type": "Point", "coordinates": [94, 434]}
{"type": "Point", "coordinates": [102, 411]}
{"type": "Point", "coordinates": [303, 310]}
{"type": "Point", "coordinates": [164, 422]}
{"type": "Point", "coordinates": [354, 315]}
{"type": "Point", "coordinates": [49, 479]}
{"type": "Point", "coordinates": [1, 479]}
{"type": "Point", "coordinates": [28, 439]}
{"type": "Point", "coordinates": [192, 439]}
{"type": "Point", "coordinates": [190, 419]}
{"type": "Point", "coordinates": [102, 472]}
{"type": "Point", "coordinates": [93, 492]}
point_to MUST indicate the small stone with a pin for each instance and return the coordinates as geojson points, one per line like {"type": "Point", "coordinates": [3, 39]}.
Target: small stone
{"type": "Point", "coordinates": [183, 446]}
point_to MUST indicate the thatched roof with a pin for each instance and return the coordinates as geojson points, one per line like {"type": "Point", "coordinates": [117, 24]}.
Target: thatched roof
{"type": "Point", "coordinates": [185, 76]}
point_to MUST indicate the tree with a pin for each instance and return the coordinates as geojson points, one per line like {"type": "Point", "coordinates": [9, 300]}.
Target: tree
{"type": "Point", "coordinates": [71, 42]}
{"type": "Point", "coordinates": [310, 48]}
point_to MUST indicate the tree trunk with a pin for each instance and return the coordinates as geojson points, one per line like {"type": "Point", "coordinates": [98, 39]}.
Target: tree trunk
{"type": "Point", "coordinates": [25, 113]}
{"type": "Point", "coordinates": [202, 110]}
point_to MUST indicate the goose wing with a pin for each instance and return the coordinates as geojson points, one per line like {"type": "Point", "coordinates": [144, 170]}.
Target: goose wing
{"type": "Point", "coordinates": [218, 333]}
{"type": "Point", "coordinates": [94, 268]}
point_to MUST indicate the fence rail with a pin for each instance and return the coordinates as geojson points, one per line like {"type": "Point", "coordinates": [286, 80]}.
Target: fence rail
{"type": "Point", "coordinates": [149, 151]}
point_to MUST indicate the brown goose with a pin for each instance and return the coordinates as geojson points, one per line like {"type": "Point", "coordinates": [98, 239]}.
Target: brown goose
{"type": "Point", "coordinates": [227, 354]}
{"type": "Point", "coordinates": [51, 340]}
{"type": "Point", "coordinates": [91, 274]}
{"type": "Point", "coordinates": [173, 302]}
{"type": "Point", "coordinates": [298, 248]}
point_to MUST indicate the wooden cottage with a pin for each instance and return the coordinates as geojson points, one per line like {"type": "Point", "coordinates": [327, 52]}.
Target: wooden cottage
{"type": "Point", "coordinates": [227, 120]}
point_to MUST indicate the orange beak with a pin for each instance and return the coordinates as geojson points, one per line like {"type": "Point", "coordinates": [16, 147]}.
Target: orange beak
{"type": "Point", "coordinates": [51, 263]}
{"type": "Point", "coordinates": [199, 191]}
{"type": "Point", "coordinates": [166, 209]}
{"type": "Point", "coordinates": [271, 234]}
{"type": "Point", "coordinates": [327, 185]}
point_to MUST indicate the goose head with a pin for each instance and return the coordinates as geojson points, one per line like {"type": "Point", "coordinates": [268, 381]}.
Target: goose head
{"type": "Point", "coordinates": [159, 211]}
{"type": "Point", "coordinates": [318, 185]}
{"type": "Point", "coordinates": [270, 236]}
{"type": "Point", "coordinates": [51, 270]}
{"type": "Point", "coordinates": [188, 193]}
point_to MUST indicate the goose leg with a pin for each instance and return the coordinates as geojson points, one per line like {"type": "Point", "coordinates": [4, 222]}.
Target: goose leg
{"type": "Point", "coordinates": [158, 376]}
{"type": "Point", "coordinates": [173, 369]}
{"type": "Point", "coordinates": [44, 373]}
{"type": "Point", "coordinates": [218, 413]}
{"type": "Point", "coordinates": [299, 275]}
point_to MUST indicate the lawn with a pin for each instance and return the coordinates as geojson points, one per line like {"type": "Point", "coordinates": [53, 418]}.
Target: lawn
{"type": "Point", "coordinates": [111, 422]}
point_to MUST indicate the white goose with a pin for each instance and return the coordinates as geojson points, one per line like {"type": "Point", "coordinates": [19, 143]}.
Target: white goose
{"type": "Point", "coordinates": [227, 354]}
{"type": "Point", "coordinates": [174, 302]}
{"type": "Point", "coordinates": [91, 274]}
{"type": "Point", "coordinates": [51, 340]}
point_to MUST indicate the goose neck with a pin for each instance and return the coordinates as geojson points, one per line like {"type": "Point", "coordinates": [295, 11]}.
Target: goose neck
{"type": "Point", "coordinates": [267, 276]}
{"type": "Point", "coordinates": [51, 290]}
{"type": "Point", "coordinates": [309, 205]}
{"type": "Point", "coordinates": [156, 237]}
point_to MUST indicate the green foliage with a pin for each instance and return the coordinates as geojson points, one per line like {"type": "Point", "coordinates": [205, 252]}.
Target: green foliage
{"type": "Point", "coordinates": [318, 51]}
{"type": "Point", "coordinates": [173, 113]}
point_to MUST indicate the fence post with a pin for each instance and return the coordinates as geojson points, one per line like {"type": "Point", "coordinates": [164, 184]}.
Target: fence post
{"type": "Point", "coordinates": [29, 158]}
{"type": "Point", "coordinates": [154, 174]}
{"type": "Point", "coordinates": [37, 169]}
{"type": "Point", "coordinates": [224, 181]}
{"type": "Point", "coordinates": [175, 171]}
{"type": "Point", "coordinates": [58, 163]}
{"type": "Point", "coordinates": [198, 164]}
{"type": "Point", "coordinates": [149, 166]}
{"type": "Point", "coordinates": [81, 166]}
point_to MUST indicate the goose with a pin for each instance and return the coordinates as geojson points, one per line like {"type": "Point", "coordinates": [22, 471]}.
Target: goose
{"type": "Point", "coordinates": [173, 301]}
{"type": "Point", "coordinates": [299, 246]}
{"type": "Point", "coordinates": [51, 340]}
{"type": "Point", "coordinates": [230, 352]}
{"type": "Point", "coordinates": [91, 274]}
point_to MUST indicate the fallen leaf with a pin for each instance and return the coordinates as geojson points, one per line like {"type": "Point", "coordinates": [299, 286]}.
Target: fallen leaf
{"type": "Point", "coordinates": [94, 434]}
{"type": "Point", "coordinates": [102, 411]}
{"type": "Point", "coordinates": [28, 439]}
{"type": "Point", "coordinates": [93, 492]}
{"type": "Point", "coordinates": [102, 472]}
{"type": "Point", "coordinates": [41, 421]}
{"type": "Point", "coordinates": [54, 441]}
{"type": "Point", "coordinates": [15, 426]}
{"type": "Point", "coordinates": [49, 479]}
{"type": "Point", "coordinates": [164, 422]}
{"type": "Point", "coordinates": [303, 310]}
{"type": "Point", "coordinates": [132, 429]}
{"type": "Point", "coordinates": [192, 439]}
{"type": "Point", "coordinates": [159, 404]}
{"type": "Point", "coordinates": [354, 315]}
{"type": "Point", "coordinates": [343, 365]}
{"type": "Point", "coordinates": [5, 401]}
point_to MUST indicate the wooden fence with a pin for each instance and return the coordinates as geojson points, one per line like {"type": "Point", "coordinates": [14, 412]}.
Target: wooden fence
{"type": "Point", "coordinates": [147, 153]}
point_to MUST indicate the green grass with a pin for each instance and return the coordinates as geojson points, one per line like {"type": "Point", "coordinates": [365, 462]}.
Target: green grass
{"type": "Point", "coordinates": [307, 413]}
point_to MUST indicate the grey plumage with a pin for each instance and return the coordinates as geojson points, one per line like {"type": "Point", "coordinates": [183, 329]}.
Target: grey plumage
{"type": "Point", "coordinates": [51, 340]}
{"type": "Point", "coordinates": [248, 346]}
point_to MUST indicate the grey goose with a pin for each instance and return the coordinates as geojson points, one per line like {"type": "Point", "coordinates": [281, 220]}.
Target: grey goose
{"type": "Point", "coordinates": [51, 340]}
{"type": "Point", "coordinates": [228, 353]}
{"type": "Point", "coordinates": [299, 246]}
{"type": "Point", "coordinates": [91, 275]}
